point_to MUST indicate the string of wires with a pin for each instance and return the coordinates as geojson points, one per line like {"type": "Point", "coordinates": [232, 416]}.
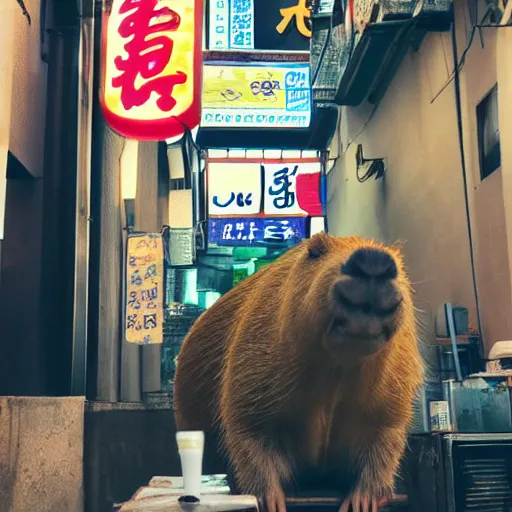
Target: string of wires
{"type": "Point", "coordinates": [363, 128]}
{"type": "Point", "coordinates": [460, 133]}
{"type": "Point", "coordinates": [462, 59]}
{"type": "Point", "coordinates": [460, 65]}
{"type": "Point", "coordinates": [457, 69]}
{"type": "Point", "coordinates": [376, 169]}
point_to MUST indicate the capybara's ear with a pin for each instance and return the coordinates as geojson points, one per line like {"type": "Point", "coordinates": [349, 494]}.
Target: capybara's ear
{"type": "Point", "coordinates": [317, 245]}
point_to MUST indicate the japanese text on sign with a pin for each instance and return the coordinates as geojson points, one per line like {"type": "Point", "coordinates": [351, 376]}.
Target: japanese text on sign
{"type": "Point", "coordinates": [147, 57]}
{"type": "Point", "coordinates": [231, 25]}
{"type": "Point", "coordinates": [292, 189]}
{"type": "Point", "coordinates": [234, 189]}
{"type": "Point", "coordinates": [241, 31]}
{"type": "Point", "coordinates": [256, 95]}
{"type": "Point", "coordinates": [247, 231]}
{"type": "Point", "coordinates": [281, 187]}
{"type": "Point", "coordinates": [272, 189]}
{"type": "Point", "coordinates": [219, 25]}
{"type": "Point", "coordinates": [301, 13]}
{"type": "Point", "coordinates": [150, 67]}
{"type": "Point", "coordinates": [144, 289]}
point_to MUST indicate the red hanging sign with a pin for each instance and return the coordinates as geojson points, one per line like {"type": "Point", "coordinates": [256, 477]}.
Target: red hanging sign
{"type": "Point", "coordinates": [151, 63]}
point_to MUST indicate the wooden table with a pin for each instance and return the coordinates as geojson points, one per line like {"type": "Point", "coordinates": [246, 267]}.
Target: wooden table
{"type": "Point", "coordinates": [159, 497]}
{"type": "Point", "coordinates": [160, 502]}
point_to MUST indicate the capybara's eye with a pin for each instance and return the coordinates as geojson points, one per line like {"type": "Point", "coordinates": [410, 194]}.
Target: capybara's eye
{"type": "Point", "coordinates": [314, 253]}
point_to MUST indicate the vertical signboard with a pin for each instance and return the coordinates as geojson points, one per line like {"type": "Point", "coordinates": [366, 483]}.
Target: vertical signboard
{"type": "Point", "coordinates": [218, 25]}
{"type": "Point", "coordinates": [241, 26]}
{"type": "Point", "coordinates": [144, 289]}
{"type": "Point", "coordinates": [231, 25]}
{"type": "Point", "coordinates": [151, 63]}
{"type": "Point", "coordinates": [281, 25]}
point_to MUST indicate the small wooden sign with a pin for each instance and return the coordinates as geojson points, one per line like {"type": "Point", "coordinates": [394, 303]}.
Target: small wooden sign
{"type": "Point", "coordinates": [144, 289]}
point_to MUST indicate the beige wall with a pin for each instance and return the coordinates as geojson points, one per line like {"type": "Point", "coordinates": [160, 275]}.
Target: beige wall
{"type": "Point", "coordinates": [29, 90]}
{"type": "Point", "coordinates": [504, 72]}
{"type": "Point", "coordinates": [6, 72]}
{"type": "Point", "coordinates": [421, 199]}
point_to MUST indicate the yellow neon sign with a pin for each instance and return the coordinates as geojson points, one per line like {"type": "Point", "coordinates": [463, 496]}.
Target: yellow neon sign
{"type": "Point", "coordinates": [300, 12]}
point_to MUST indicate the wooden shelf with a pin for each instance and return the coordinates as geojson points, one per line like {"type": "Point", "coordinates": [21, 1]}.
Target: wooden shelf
{"type": "Point", "coordinates": [461, 340]}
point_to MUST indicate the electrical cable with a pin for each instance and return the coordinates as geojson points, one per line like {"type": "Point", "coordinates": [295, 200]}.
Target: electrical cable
{"type": "Point", "coordinates": [493, 26]}
{"type": "Point", "coordinates": [362, 179]}
{"type": "Point", "coordinates": [458, 104]}
{"type": "Point", "coordinates": [458, 67]}
{"type": "Point", "coordinates": [458, 64]}
{"type": "Point", "coordinates": [367, 122]}
{"type": "Point", "coordinates": [376, 169]}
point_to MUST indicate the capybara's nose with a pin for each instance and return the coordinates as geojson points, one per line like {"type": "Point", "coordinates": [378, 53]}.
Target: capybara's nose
{"type": "Point", "coordinates": [367, 284]}
{"type": "Point", "coordinates": [368, 263]}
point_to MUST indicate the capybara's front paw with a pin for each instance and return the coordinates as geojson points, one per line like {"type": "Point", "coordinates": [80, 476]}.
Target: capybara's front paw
{"type": "Point", "coordinates": [359, 502]}
{"type": "Point", "coordinates": [274, 501]}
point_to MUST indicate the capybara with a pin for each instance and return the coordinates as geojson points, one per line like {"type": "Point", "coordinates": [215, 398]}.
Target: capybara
{"type": "Point", "coordinates": [309, 366]}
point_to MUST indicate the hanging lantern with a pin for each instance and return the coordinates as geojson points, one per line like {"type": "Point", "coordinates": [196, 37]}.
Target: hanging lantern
{"type": "Point", "coordinates": [151, 63]}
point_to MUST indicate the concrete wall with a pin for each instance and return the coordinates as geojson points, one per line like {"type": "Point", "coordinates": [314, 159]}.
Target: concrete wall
{"type": "Point", "coordinates": [23, 369]}
{"type": "Point", "coordinates": [29, 90]}
{"type": "Point", "coordinates": [22, 127]}
{"type": "Point", "coordinates": [41, 439]}
{"type": "Point", "coordinates": [421, 200]}
{"type": "Point", "coordinates": [41, 454]}
{"type": "Point", "coordinates": [504, 75]}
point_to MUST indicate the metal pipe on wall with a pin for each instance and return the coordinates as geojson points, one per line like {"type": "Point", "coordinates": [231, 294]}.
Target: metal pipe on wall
{"type": "Point", "coordinates": [105, 266]}
{"type": "Point", "coordinates": [83, 197]}
{"type": "Point", "coordinates": [194, 157]}
{"type": "Point", "coordinates": [57, 260]}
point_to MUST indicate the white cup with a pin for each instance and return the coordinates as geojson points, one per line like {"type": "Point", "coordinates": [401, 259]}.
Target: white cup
{"type": "Point", "coordinates": [191, 447]}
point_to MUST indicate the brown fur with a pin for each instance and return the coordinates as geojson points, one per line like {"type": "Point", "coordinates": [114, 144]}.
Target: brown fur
{"type": "Point", "coordinates": [254, 369]}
